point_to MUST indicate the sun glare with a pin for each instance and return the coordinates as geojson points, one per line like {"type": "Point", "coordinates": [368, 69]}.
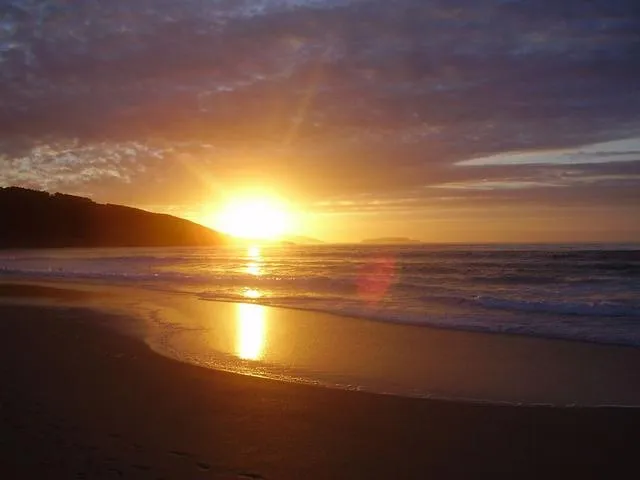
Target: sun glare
{"type": "Point", "coordinates": [253, 218]}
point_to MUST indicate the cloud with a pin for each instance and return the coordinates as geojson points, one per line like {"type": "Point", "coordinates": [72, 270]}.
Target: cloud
{"type": "Point", "coordinates": [497, 185]}
{"type": "Point", "coordinates": [55, 165]}
{"type": "Point", "coordinates": [625, 150]}
{"type": "Point", "coordinates": [119, 67]}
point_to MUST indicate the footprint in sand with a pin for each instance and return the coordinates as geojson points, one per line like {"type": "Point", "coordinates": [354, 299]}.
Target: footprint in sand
{"type": "Point", "coordinates": [179, 453]}
{"type": "Point", "coordinates": [240, 476]}
{"type": "Point", "coordinates": [114, 472]}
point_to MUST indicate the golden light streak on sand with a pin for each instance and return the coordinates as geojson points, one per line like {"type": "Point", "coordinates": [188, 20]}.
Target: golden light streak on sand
{"type": "Point", "coordinates": [251, 331]}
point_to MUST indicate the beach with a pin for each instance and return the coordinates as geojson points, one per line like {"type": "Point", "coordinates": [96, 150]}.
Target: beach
{"type": "Point", "coordinates": [319, 239]}
{"type": "Point", "coordinates": [82, 401]}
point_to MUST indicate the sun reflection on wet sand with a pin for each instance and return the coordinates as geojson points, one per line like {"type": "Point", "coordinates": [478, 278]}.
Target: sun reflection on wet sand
{"type": "Point", "coordinates": [251, 331]}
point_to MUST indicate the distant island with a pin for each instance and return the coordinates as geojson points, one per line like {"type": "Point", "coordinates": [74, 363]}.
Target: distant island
{"type": "Point", "coordinates": [37, 219]}
{"type": "Point", "coordinates": [390, 241]}
{"type": "Point", "coordinates": [302, 240]}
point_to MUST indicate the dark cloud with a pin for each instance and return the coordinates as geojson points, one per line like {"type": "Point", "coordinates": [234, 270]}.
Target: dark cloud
{"type": "Point", "coordinates": [372, 96]}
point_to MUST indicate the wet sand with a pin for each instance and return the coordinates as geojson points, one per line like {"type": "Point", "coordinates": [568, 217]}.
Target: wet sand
{"type": "Point", "coordinates": [336, 351]}
{"type": "Point", "coordinates": [82, 401]}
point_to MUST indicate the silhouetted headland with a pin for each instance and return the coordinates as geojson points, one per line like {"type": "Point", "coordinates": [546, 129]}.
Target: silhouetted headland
{"type": "Point", "coordinates": [36, 219]}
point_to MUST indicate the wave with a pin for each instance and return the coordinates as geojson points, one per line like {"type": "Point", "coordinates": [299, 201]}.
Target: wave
{"type": "Point", "coordinates": [422, 290]}
{"type": "Point", "coordinates": [624, 334]}
{"type": "Point", "coordinates": [536, 294]}
{"type": "Point", "coordinates": [596, 309]}
{"type": "Point", "coordinates": [285, 283]}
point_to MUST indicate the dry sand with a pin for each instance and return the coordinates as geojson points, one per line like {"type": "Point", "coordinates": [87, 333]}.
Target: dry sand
{"type": "Point", "coordinates": [81, 401]}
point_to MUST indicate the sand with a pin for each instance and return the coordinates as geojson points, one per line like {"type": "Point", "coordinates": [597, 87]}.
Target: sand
{"type": "Point", "coordinates": [82, 401]}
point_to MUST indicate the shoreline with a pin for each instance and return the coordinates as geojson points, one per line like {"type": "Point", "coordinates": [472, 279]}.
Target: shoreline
{"type": "Point", "coordinates": [354, 354]}
{"type": "Point", "coordinates": [96, 284]}
{"type": "Point", "coordinates": [81, 401]}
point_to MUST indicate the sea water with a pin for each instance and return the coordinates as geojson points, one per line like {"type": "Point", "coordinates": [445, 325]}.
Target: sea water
{"type": "Point", "coordinates": [578, 292]}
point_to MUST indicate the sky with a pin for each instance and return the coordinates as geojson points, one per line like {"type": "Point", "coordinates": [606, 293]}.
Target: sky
{"type": "Point", "coordinates": [441, 120]}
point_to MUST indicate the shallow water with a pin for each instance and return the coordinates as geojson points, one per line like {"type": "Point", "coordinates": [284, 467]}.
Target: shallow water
{"type": "Point", "coordinates": [351, 353]}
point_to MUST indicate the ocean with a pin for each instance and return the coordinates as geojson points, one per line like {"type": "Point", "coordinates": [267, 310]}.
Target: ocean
{"type": "Point", "coordinates": [577, 292]}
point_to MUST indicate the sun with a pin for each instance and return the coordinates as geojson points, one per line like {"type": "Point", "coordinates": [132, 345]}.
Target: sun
{"type": "Point", "coordinates": [255, 218]}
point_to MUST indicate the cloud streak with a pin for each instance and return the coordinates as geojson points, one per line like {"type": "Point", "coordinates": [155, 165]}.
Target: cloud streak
{"type": "Point", "coordinates": [626, 150]}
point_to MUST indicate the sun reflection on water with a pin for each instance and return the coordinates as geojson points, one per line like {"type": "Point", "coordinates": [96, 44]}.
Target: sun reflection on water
{"type": "Point", "coordinates": [253, 268]}
{"type": "Point", "coordinates": [252, 293]}
{"type": "Point", "coordinates": [251, 331]}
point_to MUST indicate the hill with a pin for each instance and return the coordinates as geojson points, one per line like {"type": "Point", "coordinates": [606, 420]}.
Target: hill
{"type": "Point", "coordinates": [35, 219]}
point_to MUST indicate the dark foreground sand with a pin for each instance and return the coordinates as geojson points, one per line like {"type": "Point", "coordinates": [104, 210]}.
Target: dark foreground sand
{"type": "Point", "coordinates": [80, 401]}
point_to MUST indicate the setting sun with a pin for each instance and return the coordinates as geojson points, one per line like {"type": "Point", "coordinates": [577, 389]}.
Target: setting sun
{"type": "Point", "coordinates": [257, 218]}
